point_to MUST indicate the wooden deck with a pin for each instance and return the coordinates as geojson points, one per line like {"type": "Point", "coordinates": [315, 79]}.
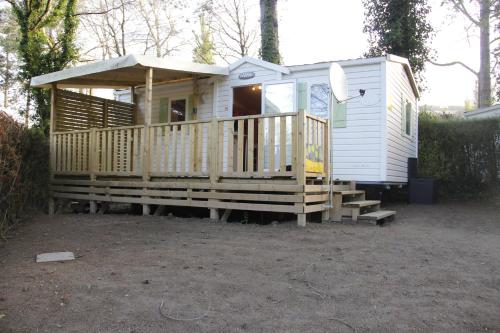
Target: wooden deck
{"type": "Point", "coordinates": [242, 163]}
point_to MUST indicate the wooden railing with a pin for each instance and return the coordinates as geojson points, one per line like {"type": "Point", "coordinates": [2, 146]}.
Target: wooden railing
{"type": "Point", "coordinates": [258, 146]}
{"type": "Point", "coordinates": [316, 149]}
{"type": "Point", "coordinates": [118, 151]}
{"type": "Point", "coordinates": [70, 152]}
{"type": "Point", "coordinates": [278, 145]}
{"type": "Point", "coordinates": [180, 149]}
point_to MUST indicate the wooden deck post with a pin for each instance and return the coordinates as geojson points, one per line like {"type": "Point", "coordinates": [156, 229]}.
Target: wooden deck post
{"type": "Point", "coordinates": [52, 147]}
{"type": "Point", "coordinates": [325, 214]}
{"type": "Point", "coordinates": [93, 164]}
{"type": "Point", "coordinates": [146, 161]}
{"type": "Point", "coordinates": [301, 160]}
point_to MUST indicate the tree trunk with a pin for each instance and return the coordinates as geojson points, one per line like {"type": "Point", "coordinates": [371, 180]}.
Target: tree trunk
{"type": "Point", "coordinates": [269, 31]}
{"type": "Point", "coordinates": [484, 90]}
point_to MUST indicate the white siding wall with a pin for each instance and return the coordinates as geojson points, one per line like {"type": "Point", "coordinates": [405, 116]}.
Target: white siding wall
{"type": "Point", "coordinates": [399, 146]}
{"type": "Point", "coordinates": [172, 90]}
{"type": "Point", "coordinates": [357, 147]}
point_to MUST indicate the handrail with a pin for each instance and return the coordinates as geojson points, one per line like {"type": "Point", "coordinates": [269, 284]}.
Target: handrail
{"type": "Point", "coordinates": [317, 118]}
{"type": "Point", "coordinates": [186, 122]}
{"type": "Point", "coordinates": [75, 131]}
{"type": "Point", "coordinates": [270, 115]}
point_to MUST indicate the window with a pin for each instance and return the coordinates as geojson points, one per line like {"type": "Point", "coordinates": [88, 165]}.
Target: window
{"type": "Point", "coordinates": [279, 98]}
{"type": "Point", "coordinates": [319, 100]}
{"type": "Point", "coordinates": [178, 110]}
{"type": "Point", "coordinates": [408, 118]}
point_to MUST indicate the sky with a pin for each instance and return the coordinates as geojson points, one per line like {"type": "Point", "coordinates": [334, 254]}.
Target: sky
{"type": "Point", "coordinates": [322, 30]}
{"type": "Point", "coordinates": [325, 30]}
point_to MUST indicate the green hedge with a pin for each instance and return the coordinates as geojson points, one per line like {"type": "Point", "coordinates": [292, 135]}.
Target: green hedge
{"type": "Point", "coordinates": [24, 172]}
{"type": "Point", "coordinates": [461, 154]}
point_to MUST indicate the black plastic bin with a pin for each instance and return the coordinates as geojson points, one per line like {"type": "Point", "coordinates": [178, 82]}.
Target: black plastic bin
{"type": "Point", "coordinates": [423, 190]}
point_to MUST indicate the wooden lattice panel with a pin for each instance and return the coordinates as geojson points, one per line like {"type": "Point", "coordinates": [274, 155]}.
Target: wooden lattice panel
{"type": "Point", "coordinates": [76, 111]}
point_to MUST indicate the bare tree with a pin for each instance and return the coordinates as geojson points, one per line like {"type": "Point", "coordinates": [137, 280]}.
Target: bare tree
{"type": "Point", "coordinates": [107, 21]}
{"type": "Point", "coordinates": [160, 18]}
{"type": "Point", "coordinates": [235, 33]}
{"type": "Point", "coordinates": [489, 16]}
{"type": "Point", "coordinates": [118, 27]}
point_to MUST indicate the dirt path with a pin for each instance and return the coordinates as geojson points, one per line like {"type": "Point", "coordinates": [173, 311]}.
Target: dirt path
{"type": "Point", "coordinates": [435, 269]}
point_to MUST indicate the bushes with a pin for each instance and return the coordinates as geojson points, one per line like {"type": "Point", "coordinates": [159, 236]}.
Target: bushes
{"type": "Point", "coordinates": [462, 154]}
{"type": "Point", "coordinates": [24, 171]}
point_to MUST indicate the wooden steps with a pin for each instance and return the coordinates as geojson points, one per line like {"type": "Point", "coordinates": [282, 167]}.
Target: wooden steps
{"type": "Point", "coordinates": [361, 203]}
{"type": "Point", "coordinates": [349, 192]}
{"type": "Point", "coordinates": [377, 215]}
{"type": "Point", "coordinates": [350, 203]}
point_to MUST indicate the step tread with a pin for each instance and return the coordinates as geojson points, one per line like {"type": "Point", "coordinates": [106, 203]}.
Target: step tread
{"type": "Point", "coordinates": [348, 192]}
{"type": "Point", "coordinates": [360, 203]}
{"type": "Point", "coordinates": [378, 215]}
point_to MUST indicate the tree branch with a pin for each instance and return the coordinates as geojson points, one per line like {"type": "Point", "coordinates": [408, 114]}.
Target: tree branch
{"type": "Point", "coordinates": [460, 6]}
{"type": "Point", "coordinates": [455, 63]}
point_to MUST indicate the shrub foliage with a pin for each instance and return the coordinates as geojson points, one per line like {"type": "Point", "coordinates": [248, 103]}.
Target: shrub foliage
{"type": "Point", "coordinates": [462, 154]}
{"type": "Point", "coordinates": [24, 171]}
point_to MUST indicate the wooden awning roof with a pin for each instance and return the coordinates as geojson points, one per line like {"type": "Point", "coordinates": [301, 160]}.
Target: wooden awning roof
{"type": "Point", "coordinates": [126, 71]}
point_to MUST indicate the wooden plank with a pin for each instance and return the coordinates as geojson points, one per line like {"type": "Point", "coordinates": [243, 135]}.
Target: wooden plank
{"type": "Point", "coordinates": [109, 152]}
{"type": "Point", "coordinates": [136, 150]}
{"type": "Point", "coordinates": [128, 163]}
{"type": "Point", "coordinates": [294, 143]}
{"type": "Point", "coordinates": [174, 149]}
{"type": "Point", "coordinates": [301, 147]}
{"type": "Point", "coordinates": [183, 148]}
{"type": "Point", "coordinates": [272, 145]}
{"type": "Point", "coordinates": [250, 146]}
{"type": "Point", "coordinates": [115, 151]}
{"type": "Point", "coordinates": [123, 151]}
{"type": "Point", "coordinates": [230, 146]}
{"type": "Point", "coordinates": [241, 138]}
{"type": "Point", "coordinates": [67, 152]}
{"type": "Point", "coordinates": [360, 203]}
{"type": "Point", "coordinates": [282, 144]}
{"type": "Point", "coordinates": [220, 149]}
{"type": "Point", "coordinates": [192, 147]}
{"type": "Point", "coordinates": [275, 186]}
{"type": "Point", "coordinates": [73, 151]}
{"type": "Point", "coordinates": [188, 203]}
{"type": "Point", "coordinates": [55, 256]}
{"type": "Point", "coordinates": [151, 143]}
{"type": "Point", "coordinates": [260, 148]}
{"type": "Point", "coordinates": [166, 140]}
{"type": "Point", "coordinates": [377, 215]}
{"type": "Point", "coordinates": [159, 149]}
{"type": "Point", "coordinates": [199, 146]}
{"type": "Point", "coordinates": [86, 150]}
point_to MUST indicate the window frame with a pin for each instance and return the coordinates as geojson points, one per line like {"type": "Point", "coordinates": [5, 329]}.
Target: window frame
{"type": "Point", "coordinates": [309, 99]}
{"type": "Point", "coordinates": [177, 98]}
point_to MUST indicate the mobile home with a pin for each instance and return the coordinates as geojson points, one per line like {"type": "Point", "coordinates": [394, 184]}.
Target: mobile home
{"type": "Point", "coordinates": [373, 137]}
{"type": "Point", "coordinates": [251, 136]}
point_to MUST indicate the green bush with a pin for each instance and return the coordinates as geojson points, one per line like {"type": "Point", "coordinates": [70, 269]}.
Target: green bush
{"type": "Point", "coordinates": [462, 154]}
{"type": "Point", "coordinates": [24, 172]}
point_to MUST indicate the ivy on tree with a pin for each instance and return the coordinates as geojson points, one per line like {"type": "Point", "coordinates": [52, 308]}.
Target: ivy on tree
{"type": "Point", "coordinates": [399, 27]}
{"type": "Point", "coordinates": [47, 44]}
{"type": "Point", "coordinates": [269, 31]}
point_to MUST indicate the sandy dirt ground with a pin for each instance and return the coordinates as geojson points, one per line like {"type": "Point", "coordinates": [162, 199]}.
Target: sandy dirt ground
{"type": "Point", "coordinates": [434, 269]}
